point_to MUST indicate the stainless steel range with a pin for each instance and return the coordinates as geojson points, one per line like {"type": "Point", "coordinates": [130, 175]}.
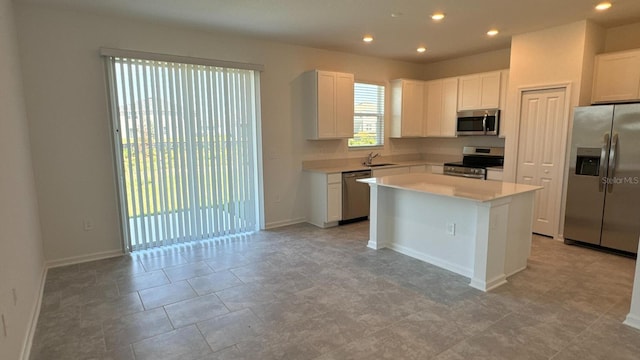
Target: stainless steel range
{"type": "Point", "coordinates": [475, 162]}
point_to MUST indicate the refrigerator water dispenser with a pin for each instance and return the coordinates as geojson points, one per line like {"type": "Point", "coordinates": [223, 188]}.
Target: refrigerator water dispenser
{"type": "Point", "coordinates": [588, 161]}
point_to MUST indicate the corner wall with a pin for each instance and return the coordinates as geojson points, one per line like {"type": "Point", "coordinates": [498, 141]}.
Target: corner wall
{"type": "Point", "coordinates": [548, 57]}
{"type": "Point", "coordinates": [622, 38]}
{"type": "Point", "coordinates": [21, 258]}
{"type": "Point", "coordinates": [487, 61]}
{"type": "Point", "coordinates": [70, 127]}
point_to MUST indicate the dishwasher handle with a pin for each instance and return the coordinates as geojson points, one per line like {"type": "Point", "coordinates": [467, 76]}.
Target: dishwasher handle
{"type": "Point", "coordinates": [357, 175]}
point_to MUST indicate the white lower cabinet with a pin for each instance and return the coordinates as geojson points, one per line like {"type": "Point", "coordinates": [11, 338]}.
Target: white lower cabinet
{"type": "Point", "coordinates": [494, 175]}
{"type": "Point", "coordinates": [334, 202]}
{"type": "Point", "coordinates": [437, 169]}
{"type": "Point", "coordinates": [325, 191]}
{"type": "Point", "coordinates": [325, 199]}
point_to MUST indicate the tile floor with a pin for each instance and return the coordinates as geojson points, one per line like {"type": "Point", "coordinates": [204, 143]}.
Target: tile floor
{"type": "Point", "coordinates": [301, 292]}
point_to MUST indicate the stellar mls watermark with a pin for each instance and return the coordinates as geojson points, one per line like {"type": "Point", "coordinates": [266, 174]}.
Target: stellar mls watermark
{"type": "Point", "coordinates": [634, 180]}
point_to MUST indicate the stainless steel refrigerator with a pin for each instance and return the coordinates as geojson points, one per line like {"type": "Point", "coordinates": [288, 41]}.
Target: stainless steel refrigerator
{"type": "Point", "coordinates": [603, 191]}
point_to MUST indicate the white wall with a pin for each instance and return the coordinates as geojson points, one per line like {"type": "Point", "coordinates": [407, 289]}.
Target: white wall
{"type": "Point", "coordinates": [453, 146]}
{"type": "Point", "coordinates": [595, 38]}
{"type": "Point", "coordinates": [624, 37]}
{"type": "Point", "coordinates": [67, 108]}
{"type": "Point", "coordinates": [21, 259]}
{"type": "Point", "coordinates": [547, 57]}
{"type": "Point", "coordinates": [550, 56]}
{"type": "Point", "coordinates": [488, 61]}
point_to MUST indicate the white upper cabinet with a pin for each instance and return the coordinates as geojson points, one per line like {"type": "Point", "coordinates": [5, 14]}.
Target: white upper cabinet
{"type": "Point", "coordinates": [616, 77]}
{"type": "Point", "coordinates": [440, 107]}
{"type": "Point", "coordinates": [479, 91]}
{"type": "Point", "coordinates": [328, 105]}
{"type": "Point", "coordinates": [407, 108]}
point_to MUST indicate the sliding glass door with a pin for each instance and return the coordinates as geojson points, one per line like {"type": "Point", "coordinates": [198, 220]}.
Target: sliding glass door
{"type": "Point", "coordinates": [185, 148]}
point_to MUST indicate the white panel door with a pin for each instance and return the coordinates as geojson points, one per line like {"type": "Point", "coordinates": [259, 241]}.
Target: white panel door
{"type": "Point", "coordinates": [412, 108]}
{"type": "Point", "coordinates": [449, 107]}
{"type": "Point", "coordinates": [326, 104]}
{"type": "Point", "coordinates": [469, 92]}
{"type": "Point", "coordinates": [540, 152]}
{"type": "Point", "coordinates": [433, 107]}
{"type": "Point", "coordinates": [490, 91]}
{"type": "Point", "coordinates": [344, 105]}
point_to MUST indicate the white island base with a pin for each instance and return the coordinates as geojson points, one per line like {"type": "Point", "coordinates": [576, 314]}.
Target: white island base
{"type": "Point", "coordinates": [475, 228]}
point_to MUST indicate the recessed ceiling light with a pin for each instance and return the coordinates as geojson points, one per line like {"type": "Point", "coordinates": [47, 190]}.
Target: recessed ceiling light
{"type": "Point", "coordinates": [492, 32]}
{"type": "Point", "coordinates": [396, 14]}
{"type": "Point", "coordinates": [367, 38]}
{"type": "Point", "coordinates": [437, 16]}
{"type": "Point", "coordinates": [603, 6]}
{"type": "Point", "coordinates": [421, 49]}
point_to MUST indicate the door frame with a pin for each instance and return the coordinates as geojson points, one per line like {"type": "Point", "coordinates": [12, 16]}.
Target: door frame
{"type": "Point", "coordinates": [514, 146]}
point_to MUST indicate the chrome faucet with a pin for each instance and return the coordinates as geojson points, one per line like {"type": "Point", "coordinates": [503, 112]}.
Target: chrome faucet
{"type": "Point", "coordinates": [370, 158]}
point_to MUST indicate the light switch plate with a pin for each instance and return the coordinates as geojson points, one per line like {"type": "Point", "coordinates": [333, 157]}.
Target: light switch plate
{"type": "Point", "coordinates": [451, 229]}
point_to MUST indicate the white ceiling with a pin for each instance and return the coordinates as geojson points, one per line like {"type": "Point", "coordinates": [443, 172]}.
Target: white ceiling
{"type": "Point", "coordinates": [340, 24]}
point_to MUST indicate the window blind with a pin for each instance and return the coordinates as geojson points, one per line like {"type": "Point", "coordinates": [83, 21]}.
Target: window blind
{"type": "Point", "coordinates": [368, 121]}
{"type": "Point", "coordinates": [186, 150]}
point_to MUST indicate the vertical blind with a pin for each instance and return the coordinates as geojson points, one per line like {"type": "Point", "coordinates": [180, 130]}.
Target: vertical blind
{"type": "Point", "coordinates": [368, 121]}
{"type": "Point", "coordinates": [186, 150]}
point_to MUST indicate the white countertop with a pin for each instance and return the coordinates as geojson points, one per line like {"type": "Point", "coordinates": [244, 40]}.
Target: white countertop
{"type": "Point", "coordinates": [452, 186]}
{"type": "Point", "coordinates": [356, 164]}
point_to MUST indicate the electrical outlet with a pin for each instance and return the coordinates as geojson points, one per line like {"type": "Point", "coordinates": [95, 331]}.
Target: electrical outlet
{"type": "Point", "coordinates": [451, 229]}
{"type": "Point", "coordinates": [87, 224]}
{"type": "Point", "coordinates": [15, 297]}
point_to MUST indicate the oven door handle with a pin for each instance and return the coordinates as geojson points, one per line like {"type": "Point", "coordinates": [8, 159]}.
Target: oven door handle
{"type": "Point", "coordinates": [470, 176]}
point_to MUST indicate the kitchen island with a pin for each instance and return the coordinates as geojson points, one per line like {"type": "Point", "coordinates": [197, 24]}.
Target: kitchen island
{"type": "Point", "coordinates": [475, 228]}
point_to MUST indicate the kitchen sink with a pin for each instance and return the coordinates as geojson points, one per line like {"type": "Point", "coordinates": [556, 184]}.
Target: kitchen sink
{"type": "Point", "coordinates": [376, 165]}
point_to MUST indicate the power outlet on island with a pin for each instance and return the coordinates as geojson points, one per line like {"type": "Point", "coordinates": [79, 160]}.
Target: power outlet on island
{"type": "Point", "coordinates": [87, 224]}
{"type": "Point", "coordinates": [451, 229]}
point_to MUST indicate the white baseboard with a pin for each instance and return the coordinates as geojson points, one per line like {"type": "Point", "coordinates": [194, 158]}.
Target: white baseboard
{"type": "Point", "coordinates": [633, 321]}
{"type": "Point", "coordinates": [277, 224]}
{"type": "Point", "coordinates": [84, 258]}
{"type": "Point", "coordinates": [432, 260]}
{"type": "Point", "coordinates": [489, 285]}
{"type": "Point", "coordinates": [35, 314]}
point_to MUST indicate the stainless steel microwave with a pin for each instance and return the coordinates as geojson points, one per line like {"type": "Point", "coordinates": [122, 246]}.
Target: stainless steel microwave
{"type": "Point", "coordinates": [478, 122]}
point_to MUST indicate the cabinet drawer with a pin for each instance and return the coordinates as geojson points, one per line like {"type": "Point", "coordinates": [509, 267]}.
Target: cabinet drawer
{"type": "Point", "coordinates": [437, 169]}
{"type": "Point", "coordinates": [334, 178]}
{"type": "Point", "coordinates": [494, 175]}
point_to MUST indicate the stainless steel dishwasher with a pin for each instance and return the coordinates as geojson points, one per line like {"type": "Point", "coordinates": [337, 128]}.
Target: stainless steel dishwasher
{"type": "Point", "coordinates": [355, 196]}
